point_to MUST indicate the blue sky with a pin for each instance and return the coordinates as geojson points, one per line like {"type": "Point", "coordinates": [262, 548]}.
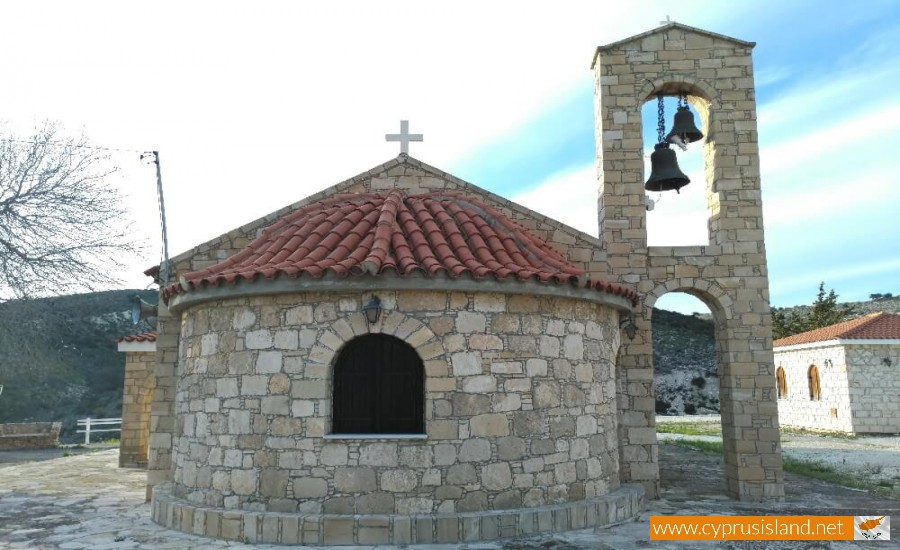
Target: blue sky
{"type": "Point", "coordinates": [254, 106]}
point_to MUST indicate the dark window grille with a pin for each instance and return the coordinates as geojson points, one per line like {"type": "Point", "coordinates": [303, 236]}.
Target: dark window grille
{"type": "Point", "coordinates": [378, 387]}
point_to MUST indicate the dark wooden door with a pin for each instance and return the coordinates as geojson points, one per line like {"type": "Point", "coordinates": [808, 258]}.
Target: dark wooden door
{"type": "Point", "coordinates": [378, 387]}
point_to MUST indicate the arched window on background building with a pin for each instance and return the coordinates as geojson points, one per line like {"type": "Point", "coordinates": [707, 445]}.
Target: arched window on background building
{"type": "Point", "coordinates": [815, 393]}
{"type": "Point", "coordinates": [782, 383]}
{"type": "Point", "coordinates": [378, 387]}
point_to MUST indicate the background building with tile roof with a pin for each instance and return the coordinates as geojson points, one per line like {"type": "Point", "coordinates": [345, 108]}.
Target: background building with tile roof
{"type": "Point", "coordinates": [844, 377]}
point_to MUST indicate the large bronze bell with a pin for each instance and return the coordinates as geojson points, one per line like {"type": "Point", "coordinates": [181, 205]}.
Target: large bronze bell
{"type": "Point", "coordinates": [665, 174]}
{"type": "Point", "coordinates": [684, 126]}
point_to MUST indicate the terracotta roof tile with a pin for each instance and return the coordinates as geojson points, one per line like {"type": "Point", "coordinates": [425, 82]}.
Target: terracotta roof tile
{"type": "Point", "coordinates": [142, 337]}
{"type": "Point", "coordinates": [371, 233]}
{"type": "Point", "coordinates": [875, 326]}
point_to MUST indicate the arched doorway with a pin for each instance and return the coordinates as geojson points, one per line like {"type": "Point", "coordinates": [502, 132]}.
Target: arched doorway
{"type": "Point", "coordinates": [687, 394]}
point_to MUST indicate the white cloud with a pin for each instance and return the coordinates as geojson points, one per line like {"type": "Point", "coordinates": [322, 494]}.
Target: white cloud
{"type": "Point", "coordinates": [867, 127]}
{"type": "Point", "coordinates": [570, 197]}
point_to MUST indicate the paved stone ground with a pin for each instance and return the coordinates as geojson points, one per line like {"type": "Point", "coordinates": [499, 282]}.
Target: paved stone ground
{"type": "Point", "coordinates": [86, 502]}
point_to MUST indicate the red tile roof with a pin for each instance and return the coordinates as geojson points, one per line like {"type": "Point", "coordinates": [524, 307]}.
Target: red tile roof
{"type": "Point", "coordinates": [142, 337]}
{"type": "Point", "coordinates": [371, 233]}
{"type": "Point", "coordinates": [875, 326]}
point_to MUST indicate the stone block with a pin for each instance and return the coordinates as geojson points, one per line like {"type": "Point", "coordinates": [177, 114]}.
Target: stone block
{"type": "Point", "coordinates": [474, 501]}
{"type": "Point", "coordinates": [243, 482]}
{"type": "Point", "coordinates": [354, 479]}
{"type": "Point", "coordinates": [527, 423]}
{"type": "Point", "coordinates": [273, 483]}
{"type": "Point", "coordinates": [475, 450]}
{"type": "Point", "coordinates": [479, 384]}
{"type": "Point", "coordinates": [447, 530]}
{"type": "Point", "coordinates": [465, 404]}
{"type": "Point", "coordinates": [461, 474]}
{"type": "Point", "coordinates": [254, 385]}
{"type": "Point", "coordinates": [338, 531]}
{"type": "Point", "coordinates": [399, 481]}
{"type": "Point", "coordinates": [507, 367]}
{"type": "Point", "coordinates": [536, 367]}
{"type": "Point", "coordinates": [466, 363]}
{"type": "Point", "coordinates": [258, 339]}
{"type": "Point", "coordinates": [496, 476]}
{"type": "Point", "coordinates": [338, 505]}
{"type": "Point", "coordinates": [444, 454]}
{"type": "Point", "coordinates": [277, 404]}
{"type": "Point", "coordinates": [421, 456]}
{"type": "Point", "coordinates": [443, 429]}
{"type": "Point", "coordinates": [376, 503]}
{"type": "Point", "coordinates": [546, 395]}
{"type": "Point", "coordinates": [402, 530]}
{"type": "Point", "coordinates": [378, 454]}
{"type": "Point", "coordinates": [301, 315]}
{"type": "Point", "coordinates": [485, 342]}
{"type": "Point", "coordinates": [301, 408]}
{"type": "Point", "coordinates": [502, 402]}
{"type": "Point", "coordinates": [334, 454]}
{"type": "Point", "coordinates": [468, 322]}
{"type": "Point", "coordinates": [489, 425]}
{"type": "Point", "coordinates": [490, 302]}
{"type": "Point", "coordinates": [573, 347]}
{"type": "Point", "coordinates": [549, 346]}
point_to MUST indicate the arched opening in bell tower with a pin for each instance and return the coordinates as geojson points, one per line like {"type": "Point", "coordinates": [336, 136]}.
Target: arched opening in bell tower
{"type": "Point", "coordinates": [677, 218]}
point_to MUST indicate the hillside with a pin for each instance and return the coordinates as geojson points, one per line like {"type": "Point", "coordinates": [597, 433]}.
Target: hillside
{"type": "Point", "coordinates": [58, 357]}
{"type": "Point", "coordinates": [684, 356]}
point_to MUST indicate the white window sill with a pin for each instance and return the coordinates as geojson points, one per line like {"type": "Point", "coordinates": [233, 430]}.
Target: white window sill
{"type": "Point", "coordinates": [376, 436]}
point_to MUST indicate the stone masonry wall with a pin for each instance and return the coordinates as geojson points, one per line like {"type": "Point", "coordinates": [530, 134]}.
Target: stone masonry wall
{"type": "Point", "coordinates": [29, 435]}
{"type": "Point", "coordinates": [519, 405]}
{"type": "Point", "coordinates": [404, 173]}
{"type": "Point", "coordinates": [874, 387]}
{"type": "Point", "coordinates": [832, 412]}
{"type": "Point", "coordinates": [137, 400]}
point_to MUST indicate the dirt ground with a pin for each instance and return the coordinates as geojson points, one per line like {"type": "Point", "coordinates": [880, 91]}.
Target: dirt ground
{"type": "Point", "coordinates": [872, 457]}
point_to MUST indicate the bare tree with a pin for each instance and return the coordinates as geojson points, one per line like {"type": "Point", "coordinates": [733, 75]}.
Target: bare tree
{"type": "Point", "coordinates": [61, 224]}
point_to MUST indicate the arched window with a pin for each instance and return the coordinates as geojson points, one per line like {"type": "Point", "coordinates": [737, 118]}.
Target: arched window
{"type": "Point", "coordinates": [378, 387]}
{"type": "Point", "coordinates": [782, 383]}
{"type": "Point", "coordinates": [815, 393]}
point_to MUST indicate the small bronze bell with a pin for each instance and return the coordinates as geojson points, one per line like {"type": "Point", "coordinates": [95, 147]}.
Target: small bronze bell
{"type": "Point", "coordinates": [684, 127]}
{"type": "Point", "coordinates": [665, 174]}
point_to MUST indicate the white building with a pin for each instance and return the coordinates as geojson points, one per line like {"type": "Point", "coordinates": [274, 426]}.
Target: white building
{"type": "Point", "coordinates": [844, 377]}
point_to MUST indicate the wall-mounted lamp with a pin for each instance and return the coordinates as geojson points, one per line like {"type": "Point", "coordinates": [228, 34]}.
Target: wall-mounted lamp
{"type": "Point", "coordinates": [828, 363]}
{"type": "Point", "coordinates": [372, 310]}
{"type": "Point", "coordinates": [886, 362]}
{"type": "Point", "coordinates": [627, 325]}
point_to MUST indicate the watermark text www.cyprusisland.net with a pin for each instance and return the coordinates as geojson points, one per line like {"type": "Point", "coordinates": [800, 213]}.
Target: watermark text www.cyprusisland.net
{"type": "Point", "coordinates": [770, 527]}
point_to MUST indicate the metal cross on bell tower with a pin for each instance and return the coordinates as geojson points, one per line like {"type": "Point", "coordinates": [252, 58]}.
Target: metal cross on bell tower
{"type": "Point", "coordinates": [404, 137]}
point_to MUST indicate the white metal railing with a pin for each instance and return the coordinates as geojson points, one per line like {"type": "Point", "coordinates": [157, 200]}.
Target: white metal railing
{"type": "Point", "coordinates": [87, 424]}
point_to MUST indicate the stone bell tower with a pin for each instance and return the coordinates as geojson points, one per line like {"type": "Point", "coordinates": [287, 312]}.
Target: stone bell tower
{"type": "Point", "coordinates": [728, 274]}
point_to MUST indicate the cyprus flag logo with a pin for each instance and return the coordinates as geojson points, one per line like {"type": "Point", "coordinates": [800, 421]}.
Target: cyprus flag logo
{"type": "Point", "coordinates": [871, 527]}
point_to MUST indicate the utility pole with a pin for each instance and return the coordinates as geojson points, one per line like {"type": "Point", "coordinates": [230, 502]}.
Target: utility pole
{"type": "Point", "coordinates": [164, 265]}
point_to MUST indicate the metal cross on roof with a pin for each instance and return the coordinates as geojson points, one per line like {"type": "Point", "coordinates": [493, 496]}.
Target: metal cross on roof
{"type": "Point", "coordinates": [667, 21]}
{"type": "Point", "coordinates": [404, 137]}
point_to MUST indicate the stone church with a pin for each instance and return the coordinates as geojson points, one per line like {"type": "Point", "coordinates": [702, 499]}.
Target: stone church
{"type": "Point", "coordinates": [406, 357]}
